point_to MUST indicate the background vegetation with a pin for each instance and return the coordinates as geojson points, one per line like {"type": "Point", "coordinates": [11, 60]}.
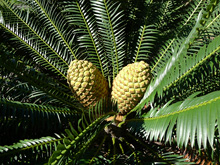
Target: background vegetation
{"type": "Point", "coordinates": [178, 117]}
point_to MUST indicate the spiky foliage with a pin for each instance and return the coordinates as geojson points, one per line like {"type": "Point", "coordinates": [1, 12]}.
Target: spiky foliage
{"type": "Point", "coordinates": [178, 111]}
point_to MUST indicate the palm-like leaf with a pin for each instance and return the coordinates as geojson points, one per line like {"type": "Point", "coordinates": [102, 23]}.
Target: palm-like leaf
{"type": "Point", "coordinates": [145, 42]}
{"type": "Point", "coordinates": [159, 123]}
{"type": "Point", "coordinates": [162, 77]}
{"type": "Point", "coordinates": [26, 150]}
{"type": "Point", "coordinates": [32, 37]}
{"type": "Point", "coordinates": [78, 141]}
{"type": "Point", "coordinates": [111, 29]}
{"type": "Point", "coordinates": [82, 17]}
{"type": "Point", "coordinates": [29, 74]}
{"type": "Point", "coordinates": [179, 39]}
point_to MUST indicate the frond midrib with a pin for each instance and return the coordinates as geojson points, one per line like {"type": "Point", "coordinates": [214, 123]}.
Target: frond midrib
{"type": "Point", "coordinates": [112, 31]}
{"type": "Point", "coordinates": [163, 54]}
{"type": "Point", "coordinates": [193, 68]}
{"type": "Point", "coordinates": [139, 46]}
{"type": "Point", "coordinates": [38, 35]}
{"type": "Point", "coordinates": [90, 35]}
{"type": "Point", "coordinates": [29, 147]}
{"type": "Point", "coordinates": [60, 34]}
{"type": "Point", "coordinates": [177, 112]}
{"type": "Point", "coordinates": [212, 22]}
{"type": "Point", "coordinates": [191, 15]}
{"type": "Point", "coordinates": [37, 107]}
{"type": "Point", "coordinates": [31, 48]}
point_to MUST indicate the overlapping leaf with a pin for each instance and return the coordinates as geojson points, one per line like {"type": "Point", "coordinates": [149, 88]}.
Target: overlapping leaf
{"type": "Point", "coordinates": [24, 150]}
{"type": "Point", "coordinates": [39, 80]}
{"type": "Point", "coordinates": [27, 30]}
{"type": "Point", "coordinates": [80, 15]}
{"type": "Point", "coordinates": [194, 118]}
{"type": "Point", "coordinates": [77, 141]}
{"type": "Point", "coordinates": [166, 76]}
{"type": "Point", "coordinates": [111, 29]}
{"type": "Point", "coordinates": [146, 40]}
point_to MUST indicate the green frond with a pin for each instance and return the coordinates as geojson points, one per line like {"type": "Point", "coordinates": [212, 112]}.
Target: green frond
{"type": "Point", "coordinates": [195, 118]}
{"type": "Point", "coordinates": [40, 58]}
{"type": "Point", "coordinates": [111, 29]}
{"type": "Point", "coordinates": [79, 14]}
{"type": "Point", "coordinates": [146, 40]}
{"type": "Point", "coordinates": [195, 72]}
{"type": "Point", "coordinates": [25, 120]}
{"type": "Point", "coordinates": [76, 143]}
{"type": "Point", "coordinates": [55, 23]}
{"type": "Point", "coordinates": [213, 24]}
{"type": "Point", "coordinates": [78, 140]}
{"type": "Point", "coordinates": [19, 108]}
{"type": "Point", "coordinates": [18, 25]}
{"type": "Point", "coordinates": [204, 79]}
{"type": "Point", "coordinates": [162, 80]}
{"type": "Point", "coordinates": [29, 150]}
{"type": "Point", "coordinates": [40, 81]}
{"type": "Point", "coordinates": [13, 89]}
{"type": "Point", "coordinates": [159, 81]}
{"type": "Point", "coordinates": [208, 33]}
{"type": "Point", "coordinates": [192, 11]}
{"type": "Point", "coordinates": [189, 19]}
{"type": "Point", "coordinates": [164, 55]}
{"type": "Point", "coordinates": [190, 64]}
{"type": "Point", "coordinates": [16, 90]}
{"type": "Point", "coordinates": [31, 24]}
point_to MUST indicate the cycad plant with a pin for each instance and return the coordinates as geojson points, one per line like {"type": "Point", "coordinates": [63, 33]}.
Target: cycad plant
{"type": "Point", "coordinates": [109, 82]}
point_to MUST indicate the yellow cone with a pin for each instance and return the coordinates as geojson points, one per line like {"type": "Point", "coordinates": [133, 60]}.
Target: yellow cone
{"type": "Point", "coordinates": [130, 84]}
{"type": "Point", "coordinates": [86, 82]}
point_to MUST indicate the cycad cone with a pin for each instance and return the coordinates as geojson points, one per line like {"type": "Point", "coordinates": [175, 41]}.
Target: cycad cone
{"type": "Point", "coordinates": [130, 84]}
{"type": "Point", "coordinates": [86, 82]}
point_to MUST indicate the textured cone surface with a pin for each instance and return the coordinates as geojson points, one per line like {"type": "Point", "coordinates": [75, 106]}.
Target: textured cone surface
{"type": "Point", "coordinates": [86, 82]}
{"type": "Point", "coordinates": [130, 84]}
